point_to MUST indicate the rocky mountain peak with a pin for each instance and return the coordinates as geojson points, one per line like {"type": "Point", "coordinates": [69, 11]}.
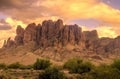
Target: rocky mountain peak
{"type": "Point", "coordinates": [50, 33]}
{"type": "Point", "coordinates": [56, 34]}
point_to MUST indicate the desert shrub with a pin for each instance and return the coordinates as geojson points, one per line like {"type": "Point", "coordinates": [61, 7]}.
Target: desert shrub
{"type": "Point", "coordinates": [58, 66]}
{"type": "Point", "coordinates": [26, 67]}
{"type": "Point", "coordinates": [85, 67]}
{"type": "Point", "coordinates": [52, 73]}
{"type": "Point", "coordinates": [72, 64]}
{"type": "Point", "coordinates": [78, 66]}
{"type": "Point", "coordinates": [41, 64]}
{"type": "Point", "coordinates": [3, 66]}
{"type": "Point", "coordinates": [16, 65]}
{"type": "Point", "coordinates": [105, 72]}
{"type": "Point", "coordinates": [116, 64]}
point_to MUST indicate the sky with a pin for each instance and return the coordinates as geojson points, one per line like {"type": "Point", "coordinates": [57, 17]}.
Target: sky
{"type": "Point", "coordinates": [102, 15]}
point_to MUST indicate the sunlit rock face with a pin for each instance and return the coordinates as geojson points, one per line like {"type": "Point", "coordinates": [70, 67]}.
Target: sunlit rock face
{"type": "Point", "coordinates": [56, 34]}
{"type": "Point", "coordinates": [90, 37]}
{"type": "Point", "coordinates": [30, 33]}
{"type": "Point", "coordinates": [114, 45]}
{"type": "Point", "coordinates": [50, 33]}
{"type": "Point", "coordinates": [19, 35]}
{"type": "Point", "coordinates": [101, 44]}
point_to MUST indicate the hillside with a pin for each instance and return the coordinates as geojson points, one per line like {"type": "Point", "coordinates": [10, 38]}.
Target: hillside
{"type": "Point", "coordinates": [58, 42]}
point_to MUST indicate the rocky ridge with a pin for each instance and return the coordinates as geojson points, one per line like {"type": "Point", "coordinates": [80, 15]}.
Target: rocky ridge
{"type": "Point", "coordinates": [50, 34]}
{"type": "Point", "coordinates": [54, 40]}
{"type": "Point", "coordinates": [56, 34]}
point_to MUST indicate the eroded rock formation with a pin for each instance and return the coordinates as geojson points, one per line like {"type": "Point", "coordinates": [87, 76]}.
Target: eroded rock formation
{"type": "Point", "coordinates": [30, 33]}
{"type": "Point", "coordinates": [56, 34]}
{"type": "Point", "coordinates": [90, 38]}
{"type": "Point", "coordinates": [8, 43]}
{"type": "Point", "coordinates": [19, 35]}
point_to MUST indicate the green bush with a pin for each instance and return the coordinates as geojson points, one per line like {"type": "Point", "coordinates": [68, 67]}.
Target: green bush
{"type": "Point", "coordinates": [78, 66]}
{"type": "Point", "coordinates": [16, 65]}
{"type": "Point", "coordinates": [3, 66]}
{"type": "Point", "coordinates": [41, 64]}
{"type": "Point", "coordinates": [72, 64]}
{"type": "Point", "coordinates": [105, 72]}
{"type": "Point", "coordinates": [52, 73]}
{"type": "Point", "coordinates": [116, 64]}
{"type": "Point", "coordinates": [84, 67]}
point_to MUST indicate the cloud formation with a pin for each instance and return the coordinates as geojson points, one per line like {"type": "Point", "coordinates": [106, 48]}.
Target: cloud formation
{"type": "Point", "coordinates": [22, 12]}
{"type": "Point", "coordinates": [84, 9]}
{"type": "Point", "coordinates": [4, 25]}
{"type": "Point", "coordinates": [30, 10]}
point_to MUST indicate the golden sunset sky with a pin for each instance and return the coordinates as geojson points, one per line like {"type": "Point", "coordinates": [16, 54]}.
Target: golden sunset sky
{"type": "Point", "coordinates": [102, 15]}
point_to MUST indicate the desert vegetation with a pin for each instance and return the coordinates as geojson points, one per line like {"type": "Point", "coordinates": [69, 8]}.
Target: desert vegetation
{"type": "Point", "coordinates": [72, 69]}
{"type": "Point", "coordinates": [41, 64]}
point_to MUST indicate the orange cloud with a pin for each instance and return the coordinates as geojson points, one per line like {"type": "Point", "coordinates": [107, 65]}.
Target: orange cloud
{"type": "Point", "coordinates": [14, 23]}
{"type": "Point", "coordinates": [106, 31]}
{"type": "Point", "coordinates": [103, 31]}
{"type": "Point", "coordinates": [68, 10]}
{"type": "Point", "coordinates": [83, 9]}
{"type": "Point", "coordinates": [86, 9]}
{"type": "Point", "coordinates": [39, 20]}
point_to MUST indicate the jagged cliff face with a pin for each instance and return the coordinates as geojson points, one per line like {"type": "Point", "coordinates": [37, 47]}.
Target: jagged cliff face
{"type": "Point", "coordinates": [114, 46]}
{"type": "Point", "coordinates": [56, 34]}
{"type": "Point", "coordinates": [91, 35]}
{"type": "Point", "coordinates": [50, 34]}
{"type": "Point", "coordinates": [29, 33]}
{"type": "Point", "coordinates": [59, 42]}
{"type": "Point", "coordinates": [90, 38]}
{"type": "Point", "coordinates": [19, 35]}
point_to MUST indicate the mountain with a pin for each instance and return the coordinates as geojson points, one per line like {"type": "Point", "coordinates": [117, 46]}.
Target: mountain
{"type": "Point", "coordinates": [58, 42]}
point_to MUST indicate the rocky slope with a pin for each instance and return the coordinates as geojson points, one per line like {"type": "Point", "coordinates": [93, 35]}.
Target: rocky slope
{"type": "Point", "coordinates": [54, 40]}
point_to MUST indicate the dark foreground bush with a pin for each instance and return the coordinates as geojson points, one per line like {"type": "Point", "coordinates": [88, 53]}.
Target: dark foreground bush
{"type": "Point", "coordinates": [104, 72]}
{"type": "Point", "coordinates": [41, 64]}
{"type": "Point", "coordinates": [52, 73]}
{"type": "Point", "coordinates": [3, 66]}
{"type": "Point", "coordinates": [85, 67]}
{"type": "Point", "coordinates": [78, 66]}
{"type": "Point", "coordinates": [116, 64]}
{"type": "Point", "coordinates": [16, 65]}
{"type": "Point", "coordinates": [72, 65]}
